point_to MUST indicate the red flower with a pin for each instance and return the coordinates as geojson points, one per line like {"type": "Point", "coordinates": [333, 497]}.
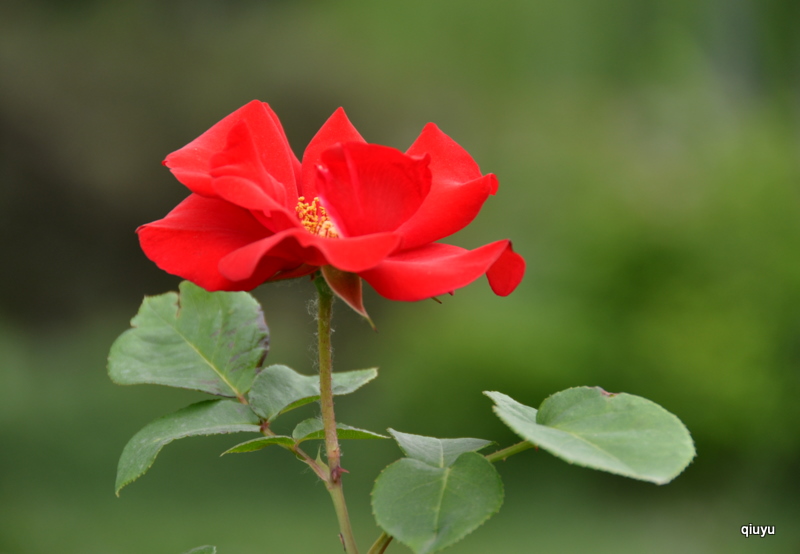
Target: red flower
{"type": "Point", "coordinates": [257, 214]}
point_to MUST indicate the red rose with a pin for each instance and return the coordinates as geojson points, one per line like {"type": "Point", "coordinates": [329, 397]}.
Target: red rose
{"type": "Point", "coordinates": [257, 214]}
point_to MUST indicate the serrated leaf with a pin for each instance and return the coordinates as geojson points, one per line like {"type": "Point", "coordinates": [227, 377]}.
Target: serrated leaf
{"type": "Point", "coordinates": [313, 428]}
{"type": "Point", "coordinates": [258, 444]}
{"type": "Point", "coordinates": [210, 417]}
{"type": "Point", "coordinates": [207, 341]}
{"type": "Point", "coordinates": [202, 550]}
{"type": "Point", "coordinates": [619, 433]}
{"type": "Point", "coordinates": [433, 451]}
{"type": "Point", "coordinates": [278, 389]}
{"type": "Point", "coordinates": [429, 508]}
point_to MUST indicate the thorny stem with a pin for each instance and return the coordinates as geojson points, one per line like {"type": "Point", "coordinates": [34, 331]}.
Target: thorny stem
{"type": "Point", "coordinates": [501, 455]}
{"type": "Point", "coordinates": [381, 544]}
{"type": "Point", "coordinates": [334, 480]}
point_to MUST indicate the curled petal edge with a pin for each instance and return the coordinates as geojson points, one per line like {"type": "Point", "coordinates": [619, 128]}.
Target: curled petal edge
{"type": "Point", "coordinates": [438, 269]}
{"type": "Point", "coordinates": [506, 273]}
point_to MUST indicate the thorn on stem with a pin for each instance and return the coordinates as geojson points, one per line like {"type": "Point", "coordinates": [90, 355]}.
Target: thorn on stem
{"type": "Point", "coordinates": [336, 473]}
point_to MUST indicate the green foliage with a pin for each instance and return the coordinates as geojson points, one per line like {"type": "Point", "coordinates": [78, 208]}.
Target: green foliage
{"type": "Point", "coordinates": [433, 451]}
{"type": "Point", "coordinates": [210, 417]}
{"type": "Point", "coordinates": [429, 508]}
{"type": "Point", "coordinates": [258, 444]}
{"type": "Point", "coordinates": [308, 429]}
{"type": "Point", "coordinates": [619, 433]}
{"type": "Point", "coordinates": [203, 550]}
{"type": "Point", "coordinates": [312, 428]}
{"type": "Point", "coordinates": [211, 342]}
{"type": "Point", "coordinates": [278, 389]}
{"type": "Point", "coordinates": [215, 343]}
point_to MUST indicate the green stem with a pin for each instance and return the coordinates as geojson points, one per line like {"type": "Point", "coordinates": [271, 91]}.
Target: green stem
{"type": "Point", "coordinates": [501, 455]}
{"type": "Point", "coordinates": [320, 470]}
{"type": "Point", "coordinates": [334, 481]}
{"type": "Point", "coordinates": [381, 544]}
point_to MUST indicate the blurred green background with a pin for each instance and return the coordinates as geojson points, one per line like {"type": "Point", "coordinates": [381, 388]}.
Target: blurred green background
{"type": "Point", "coordinates": [648, 156]}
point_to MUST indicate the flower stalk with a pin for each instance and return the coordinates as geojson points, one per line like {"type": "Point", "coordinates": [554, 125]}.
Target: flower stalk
{"type": "Point", "coordinates": [333, 454]}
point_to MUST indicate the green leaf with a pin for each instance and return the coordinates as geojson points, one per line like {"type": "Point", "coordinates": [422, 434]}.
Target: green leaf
{"type": "Point", "coordinates": [348, 382]}
{"type": "Point", "coordinates": [433, 451]}
{"type": "Point", "coordinates": [258, 444]}
{"type": "Point", "coordinates": [207, 341]}
{"type": "Point", "coordinates": [203, 550]}
{"type": "Point", "coordinates": [278, 389]}
{"type": "Point", "coordinates": [313, 428]}
{"type": "Point", "coordinates": [619, 433]}
{"type": "Point", "coordinates": [210, 417]}
{"type": "Point", "coordinates": [429, 508]}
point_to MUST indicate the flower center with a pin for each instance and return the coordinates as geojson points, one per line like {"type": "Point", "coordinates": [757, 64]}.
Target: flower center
{"type": "Point", "coordinates": [315, 219]}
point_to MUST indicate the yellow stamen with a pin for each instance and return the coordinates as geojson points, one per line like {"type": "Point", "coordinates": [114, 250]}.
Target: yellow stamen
{"type": "Point", "coordinates": [315, 219]}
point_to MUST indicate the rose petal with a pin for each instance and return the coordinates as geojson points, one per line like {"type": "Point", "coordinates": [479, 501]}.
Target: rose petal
{"type": "Point", "coordinates": [244, 193]}
{"type": "Point", "coordinates": [193, 237]}
{"type": "Point", "coordinates": [243, 156]}
{"type": "Point", "coordinates": [353, 254]}
{"type": "Point", "coordinates": [192, 163]}
{"type": "Point", "coordinates": [450, 163]}
{"type": "Point", "coordinates": [239, 177]}
{"type": "Point", "coordinates": [438, 268]}
{"type": "Point", "coordinates": [506, 272]}
{"type": "Point", "coordinates": [337, 129]}
{"type": "Point", "coordinates": [448, 208]}
{"type": "Point", "coordinates": [368, 188]}
{"type": "Point", "coordinates": [296, 165]}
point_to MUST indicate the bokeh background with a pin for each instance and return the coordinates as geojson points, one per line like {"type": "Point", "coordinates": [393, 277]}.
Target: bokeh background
{"type": "Point", "coordinates": [647, 152]}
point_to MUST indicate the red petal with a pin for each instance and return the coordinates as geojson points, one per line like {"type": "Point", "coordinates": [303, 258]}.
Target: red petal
{"type": "Point", "coordinates": [296, 166]}
{"type": "Point", "coordinates": [448, 208]}
{"type": "Point", "coordinates": [192, 163]}
{"type": "Point", "coordinates": [299, 246]}
{"type": "Point", "coordinates": [506, 272]}
{"type": "Point", "coordinates": [337, 129]}
{"type": "Point", "coordinates": [450, 163]}
{"type": "Point", "coordinates": [458, 190]}
{"type": "Point", "coordinates": [246, 194]}
{"type": "Point", "coordinates": [192, 238]}
{"type": "Point", "coordinates": [438, 268]}
{"type": "Point", "coordinates": [239, 177]}
{"type": "Point", "coordinates": [368, 188]}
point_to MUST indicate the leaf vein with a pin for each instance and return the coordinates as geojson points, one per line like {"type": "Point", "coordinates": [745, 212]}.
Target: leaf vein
{"type": "Point", "coordinates": [210, 364]}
